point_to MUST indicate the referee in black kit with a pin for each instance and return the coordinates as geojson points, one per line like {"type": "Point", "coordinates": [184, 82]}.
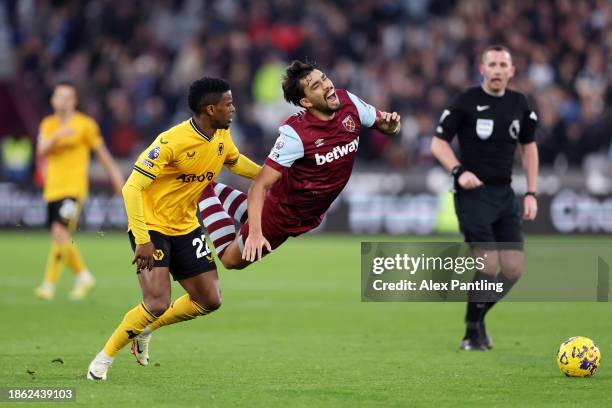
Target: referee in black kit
{"type": "Point", "coordinates": [490, 120]}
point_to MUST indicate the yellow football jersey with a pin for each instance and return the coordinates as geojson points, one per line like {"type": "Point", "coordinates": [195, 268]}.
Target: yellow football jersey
{"type": "Point", "coordinates": [181, 162]}
{"type": "Point", "coordinates": [68, 163]}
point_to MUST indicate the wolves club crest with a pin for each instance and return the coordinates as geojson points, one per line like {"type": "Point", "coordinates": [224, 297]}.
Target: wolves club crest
{"type": "Point", "coordinates": [349, 123]}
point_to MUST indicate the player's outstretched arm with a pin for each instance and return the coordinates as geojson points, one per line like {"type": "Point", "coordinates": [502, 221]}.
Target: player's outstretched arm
{"type": "Point", "coordinates": [104, 157]}
{"type": "Point", "coordinates": [388, 123]}
{"type": "Point", "coordinates": [243, 166]}
{"type": "Point", "coordinates": [530, 167]}
{"type": "Point", "coordinates": [255, 242]}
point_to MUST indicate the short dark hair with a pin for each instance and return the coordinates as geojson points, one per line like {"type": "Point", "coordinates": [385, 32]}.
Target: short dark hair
{"type": "Point", "coordinates": [66, 82]}
{"type": "Point", "coordinates": [293, 90]}
{"type": "Point", "coordinates": [206, 91]}
{"type": "Point", "coordinates": [495, 47]}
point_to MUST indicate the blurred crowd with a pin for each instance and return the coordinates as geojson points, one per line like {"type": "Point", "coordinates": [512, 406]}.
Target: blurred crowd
{"type": "Point", "coordinates": [134, 60]}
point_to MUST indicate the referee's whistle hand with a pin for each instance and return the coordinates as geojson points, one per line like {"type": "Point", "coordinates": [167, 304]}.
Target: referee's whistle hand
{"type": "Point", "coordinates": [468, 181]}
{"type": "Point", "coordinates": [530, 208]}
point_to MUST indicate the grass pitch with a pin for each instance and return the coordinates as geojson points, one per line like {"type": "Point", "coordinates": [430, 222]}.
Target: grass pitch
{"type": "Point", "coordinates": [292, 332]}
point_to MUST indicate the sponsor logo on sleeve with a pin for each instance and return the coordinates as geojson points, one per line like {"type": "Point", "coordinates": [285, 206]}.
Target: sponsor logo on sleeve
{"type": "Point", "coordinates": [280, 143]}
{"type": "Point", "coordinates": [146, 163]}
{"type": "Point", "coordinates": [153, 153]}
{"type": "Point", "coordinates": [220, 149]}
{"type": "Point", "coordinates": [514, 129]}
{"type": "Point", "coordinates": [444, 115]}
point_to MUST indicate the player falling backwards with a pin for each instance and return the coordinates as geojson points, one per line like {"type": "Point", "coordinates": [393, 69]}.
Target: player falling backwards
{"type": "Point", "coordinates": [306, 170]}
{"type": "Point", "coordinates": [161, 197]}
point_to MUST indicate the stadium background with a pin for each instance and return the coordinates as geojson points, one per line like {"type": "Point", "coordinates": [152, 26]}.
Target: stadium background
{"type": "Point", "coordinates": [132, 62]}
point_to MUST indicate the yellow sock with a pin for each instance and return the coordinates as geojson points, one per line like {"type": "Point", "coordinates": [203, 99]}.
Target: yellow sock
{"type": "Point", "coordinates": [132, 325]}
{"type": "Point", "coordinates": [55, 262]}
{"type": "Point", "coordinates": [73, 258]}
{"type": "Point", "coordinates": [181, 309]}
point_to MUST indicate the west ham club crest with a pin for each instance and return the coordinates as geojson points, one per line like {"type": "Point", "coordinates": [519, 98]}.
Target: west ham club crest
{"type": "Point", "coordinates": [349, 123]}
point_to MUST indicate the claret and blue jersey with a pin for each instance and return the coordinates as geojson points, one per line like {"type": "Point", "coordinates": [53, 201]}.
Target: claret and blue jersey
{"type": "Point", "coordinates": [316, 158]}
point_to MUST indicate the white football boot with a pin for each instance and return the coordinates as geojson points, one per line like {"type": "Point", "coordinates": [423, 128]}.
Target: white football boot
{"type": "Point", "coordinates": [99, 367]}
{"type": "Point", "coordinates": [140, 348]}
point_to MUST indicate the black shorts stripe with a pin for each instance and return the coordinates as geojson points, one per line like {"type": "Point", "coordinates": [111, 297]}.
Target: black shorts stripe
{"type": "Point", "coordinates": [144, 173]}
{"type": "Point", "coordinates": [231, 162]}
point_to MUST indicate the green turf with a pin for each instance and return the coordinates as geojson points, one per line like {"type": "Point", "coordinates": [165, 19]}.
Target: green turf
{"type": "Point", "coordinates": [292, 332]}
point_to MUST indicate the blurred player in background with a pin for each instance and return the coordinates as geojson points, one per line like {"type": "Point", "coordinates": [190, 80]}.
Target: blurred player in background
{"type": "Point", "coordinates": [489, 121]}
{"type": "Point", "coordinates": [161, 198]}
{"type": "Point", "coordinates": [65, 140]}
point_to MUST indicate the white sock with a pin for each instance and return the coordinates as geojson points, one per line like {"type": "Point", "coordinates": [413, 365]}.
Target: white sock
{"type": "Point", "coordinates": [102, 356]}
{"type": "Point", "coordinates": [47, 286]}
{"type": "Point", "coordinates": [146, 332]}
{"type": "Point", "coordinates": [84, 275]}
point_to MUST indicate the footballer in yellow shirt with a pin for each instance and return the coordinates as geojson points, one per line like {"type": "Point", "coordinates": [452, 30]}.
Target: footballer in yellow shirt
{"type": "Point", "coordinates": [66, 139]}
{"type": "Point", "coordinates": [161, 198]}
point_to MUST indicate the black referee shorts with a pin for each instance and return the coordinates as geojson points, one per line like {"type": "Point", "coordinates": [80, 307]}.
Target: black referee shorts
{"type": "Point", "coordinates": [489, 215]}
{"type": "Point", "coordinates": [185, 255]}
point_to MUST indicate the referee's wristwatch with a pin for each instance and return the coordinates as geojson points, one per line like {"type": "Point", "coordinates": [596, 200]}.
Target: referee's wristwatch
{"type": "Point", "coordinates": [457, 171]}
{"type": "Point", "coordinates": [531, 193]}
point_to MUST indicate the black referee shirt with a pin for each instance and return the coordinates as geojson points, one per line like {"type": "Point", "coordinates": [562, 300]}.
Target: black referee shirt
{"type": "Point", "coordinates": [488, 128]}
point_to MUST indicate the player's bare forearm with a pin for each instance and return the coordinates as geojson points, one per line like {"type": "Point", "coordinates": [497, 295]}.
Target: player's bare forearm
{"type": "Point", "coordinates": [43, 147]}
{"type": "Point", "coordinates": [111, 168]}
{"type": "Point", "coordinates": [47, 145]}
{"type": "Point", "coordinates": [389, 123]}
{"type": "Point", "coordinates": [443, 152]}
{"type": "Point", "coordinates": [266, 178]}
{"type": "Point", "coordinates": [531, 165]}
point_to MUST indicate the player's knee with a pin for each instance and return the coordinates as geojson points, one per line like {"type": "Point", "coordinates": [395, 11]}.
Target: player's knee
{"type": "Point", "coordinates": [210, 303]}
{"type": "Point", "coordinates": [231, 261]}
{"type": "Point", "coordinates": [59, 233]}
{"type": "Point", "coordinates": [157, 306]}
{"type": "Point", "coordinates": [513, 272]}
{"type": "Point", "coordinates": [213, 305]}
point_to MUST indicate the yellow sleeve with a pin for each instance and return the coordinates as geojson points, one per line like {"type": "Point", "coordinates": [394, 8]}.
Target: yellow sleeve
{"type": "Point", "coordinates": [132, 196]}
{"type": "Point", "coordinates": [243, 166]}
{"type": "Point", "coordinates": [157, 156]}
{"type": "Point", "coordinates": [94, 136]}
{"type": "Point", "coordinates": [238, 163]}
{"type": "Point", "coordinates": [43, 129]}
{"type": "Point", "coordinates": [232, 152]}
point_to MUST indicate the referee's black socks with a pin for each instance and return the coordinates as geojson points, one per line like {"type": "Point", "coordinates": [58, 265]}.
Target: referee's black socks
{"type": "Point", "coordinates": [479, 302]}
{"type": "Point", "coordinates": [507, 284]}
